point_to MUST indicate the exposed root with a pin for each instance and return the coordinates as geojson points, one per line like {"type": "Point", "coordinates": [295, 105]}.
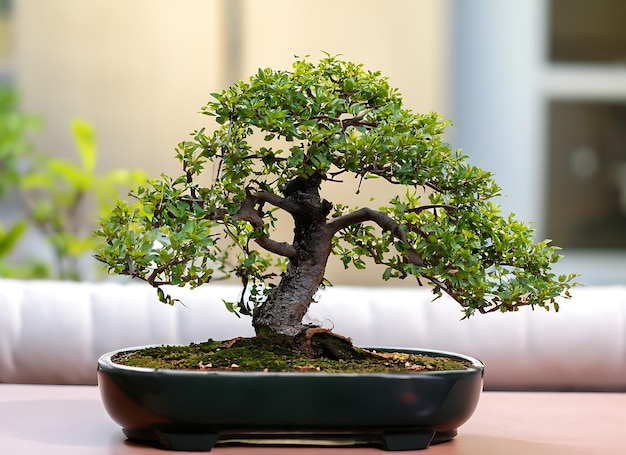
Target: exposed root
{"type": "Point", "coordinates": [315, 330]}
{"type": "Point", "coordinates": [316, 342]}
{"type": "Point", "coordinates": [230, 343]}
{"type": "Point", "coordinates": [321, 342]}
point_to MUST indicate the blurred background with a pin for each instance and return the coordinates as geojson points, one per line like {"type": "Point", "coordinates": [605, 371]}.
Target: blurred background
{"type": "Point", "coordinates": [536, 91]}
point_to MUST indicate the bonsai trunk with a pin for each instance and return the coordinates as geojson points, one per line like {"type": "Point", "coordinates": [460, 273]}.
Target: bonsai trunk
{"type": "Point", "coordinates": [281, 314]}
{"type": "Point", "coordinates": [279, 318]}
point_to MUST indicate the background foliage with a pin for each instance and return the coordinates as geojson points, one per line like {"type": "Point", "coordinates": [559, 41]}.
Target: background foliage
{"type": "Point", "coordinates": [60, 199]}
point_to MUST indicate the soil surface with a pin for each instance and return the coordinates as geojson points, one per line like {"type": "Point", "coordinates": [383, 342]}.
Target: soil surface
{"type": "Point", "coordinates": [252, 354]}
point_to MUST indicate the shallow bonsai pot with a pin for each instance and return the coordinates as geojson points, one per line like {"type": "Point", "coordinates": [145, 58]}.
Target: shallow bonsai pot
{"type": "Point", "coordinates": [194, 410]}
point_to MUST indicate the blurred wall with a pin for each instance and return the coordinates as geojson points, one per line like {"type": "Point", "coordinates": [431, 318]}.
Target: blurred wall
{"type": "Point", "coordinates": [539, 99]}
{"type": "Point", "coordinates": [141, 70]}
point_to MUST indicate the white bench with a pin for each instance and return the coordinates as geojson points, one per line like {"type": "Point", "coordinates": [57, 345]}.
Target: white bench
{"type": "Point", "coordinates": [53, 332]}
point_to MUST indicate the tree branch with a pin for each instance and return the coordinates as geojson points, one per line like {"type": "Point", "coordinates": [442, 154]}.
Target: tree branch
{"type": "Point", "coordinates": [287, 205]}
{"type": "Point", "coordinates": [247, 212]}
{"type": "Point", "coordinates": [421, 208]}
{"type": "Point", "coordinates": [357, 120]}
{"type": "Point", "coordinates": [382, 220]}
{"type": "Point", "coordinates": [387, 173]}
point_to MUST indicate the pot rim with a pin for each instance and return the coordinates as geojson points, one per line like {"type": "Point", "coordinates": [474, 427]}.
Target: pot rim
{"type": "Point", "coordinates": [105, 362]}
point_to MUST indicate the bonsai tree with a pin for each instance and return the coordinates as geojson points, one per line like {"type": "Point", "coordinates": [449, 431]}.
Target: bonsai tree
{"type": "Point", "coordinates": [280, 139]}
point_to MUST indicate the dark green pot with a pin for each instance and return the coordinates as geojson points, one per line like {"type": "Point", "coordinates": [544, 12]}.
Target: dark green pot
{"type": "Point", "coordinates": [194, 410]}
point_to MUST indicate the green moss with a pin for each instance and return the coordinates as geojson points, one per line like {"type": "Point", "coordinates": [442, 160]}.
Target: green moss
{"type": "Point", "coordinates": [251, 354]}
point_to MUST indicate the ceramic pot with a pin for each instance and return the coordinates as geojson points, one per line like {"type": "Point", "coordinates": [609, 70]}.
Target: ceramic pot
{"type": "Point", "coordinates": [194, 410]}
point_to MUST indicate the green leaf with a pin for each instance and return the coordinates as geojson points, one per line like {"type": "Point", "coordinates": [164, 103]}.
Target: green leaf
{"type": "Point", "coordinates": [8, 240]}
{"type": "Point", "coordinates": [71, 174]}
{"type": "Point", "coordinates": [85, 140]}
{"type": "Point", "coordinates": [37, 180]}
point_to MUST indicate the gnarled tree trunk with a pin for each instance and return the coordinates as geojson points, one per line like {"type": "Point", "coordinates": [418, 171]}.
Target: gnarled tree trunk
{"type": "Point", "coordinates": [280, 316]}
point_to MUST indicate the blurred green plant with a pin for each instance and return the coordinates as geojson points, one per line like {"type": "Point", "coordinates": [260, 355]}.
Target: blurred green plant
{"type": "Point", "coordinates": [8, 240]}
{"type": "Point", "coordinates": [15, 150]}
{"type": "Point", "coordinates": [14, 147]}
{"type": "Point", "coordinates": [59, 195]}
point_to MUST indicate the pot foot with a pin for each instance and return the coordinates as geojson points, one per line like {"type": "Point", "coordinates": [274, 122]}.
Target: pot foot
{"type": "Point", "coordinates": [407, 440]}
{"type": "Point", "coordinates": [187, 441]}
{"type": "Point", "coordinates": [174, 441]}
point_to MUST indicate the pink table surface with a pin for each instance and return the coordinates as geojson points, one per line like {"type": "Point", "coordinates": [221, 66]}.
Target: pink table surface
{"type": "Point", "coordinates": [68, 420]}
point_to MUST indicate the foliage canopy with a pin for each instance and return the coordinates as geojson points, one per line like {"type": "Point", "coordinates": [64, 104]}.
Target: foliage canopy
{"type": "Point", "coordinates": [278, 138]}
